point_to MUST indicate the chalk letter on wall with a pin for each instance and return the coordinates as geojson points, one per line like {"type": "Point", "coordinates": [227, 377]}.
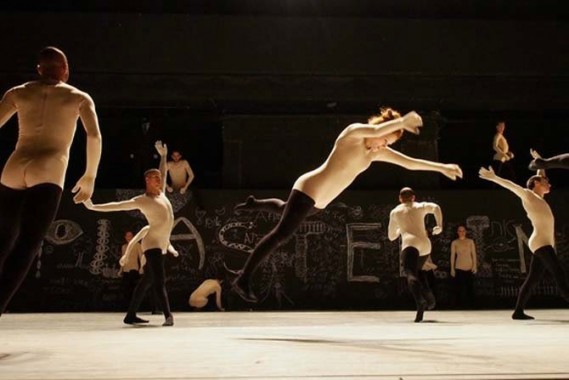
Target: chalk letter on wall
{"type": "Point", "coordinates": [354, 245]}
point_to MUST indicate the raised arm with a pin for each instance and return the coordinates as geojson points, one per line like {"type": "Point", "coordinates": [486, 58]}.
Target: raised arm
{"type": "Point", "coordinates": [128, 205]}
{"type": "Point", "coordinates": [489, 175]}
{"type": "Point", "coordinates": [85, 185]}
{"type": "Point", "coordinates": [162, 150]}
{"type": "Point", "coordinates": [393, 231]}
{"type": "Point", "coordinates": [387, 154]}
{"type": "Point", "coordinates": [7, 107]}
{"type": "Point", "coordinates": [536, 156]}
{"type": "Point", "coordinates": [411, 122]}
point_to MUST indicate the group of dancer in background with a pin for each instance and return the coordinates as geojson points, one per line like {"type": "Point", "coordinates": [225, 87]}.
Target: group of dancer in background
{"type": "Point", "coordinates": [32, 181]}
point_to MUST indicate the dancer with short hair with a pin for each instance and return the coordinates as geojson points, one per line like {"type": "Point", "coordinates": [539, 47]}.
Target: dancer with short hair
{"type": "Point", "coordinates": [355, 149]}
{"type": "Point", "coordinates": [407, 221]}
{"type": "Point", "coordinates": [542, 239]}
{"type": "Point", "coordinates": [33, 177]}
{"type": "Point", "coordinates": [158, 211]}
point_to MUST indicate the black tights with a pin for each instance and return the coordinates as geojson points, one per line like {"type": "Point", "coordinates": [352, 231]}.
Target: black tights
{"type": "Point", "coordinates": [294, 211]}
{"type": "Point", "coordinates": [417, 279]}
{"type": "Point", "coordinates": [543, 259]}
{"type": "Point", "coordinates": [504, 169]}
{"type": "Point", "coordinates": [153, 276]}
{"type": "Point", "coordinates": [25, 216]}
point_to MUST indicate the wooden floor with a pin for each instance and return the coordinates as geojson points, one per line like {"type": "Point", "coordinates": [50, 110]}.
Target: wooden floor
{"type": "Point", "coordinates": [287, 345]}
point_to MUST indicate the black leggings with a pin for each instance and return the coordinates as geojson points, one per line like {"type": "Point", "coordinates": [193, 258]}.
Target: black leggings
{"type": "Point", "coordinates": [464, 287]}
{"type": "Point", "coordinates": [153, 276]}
{"type": "Point", "coordinates": [294, 211]}
{"type": "Point", "coordinates": [25, 216]}
{"type": "Point", "coordinates": [416, 279]}
{"type": "Point", "coordinates": [543, 259]}
{"type": "Point", "coordinates": [504, 169]}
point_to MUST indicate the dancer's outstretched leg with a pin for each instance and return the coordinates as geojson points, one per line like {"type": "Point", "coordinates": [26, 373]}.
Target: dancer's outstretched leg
{"type": "Point", "coordinates": [536, 271]}
{"type": "Point", "coordinates": [274, 205]}
{"type": "Point", "coordinates": [556, 162]}
{"type": "Point", "coordinates": [298, 206]}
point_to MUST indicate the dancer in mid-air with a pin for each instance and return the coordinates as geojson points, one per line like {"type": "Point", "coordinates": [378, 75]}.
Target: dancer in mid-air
{"type": "Point", "coordinates": [158, 211]}
{"type": "Point", "coordinates": [32, 179]}
{"type": "Point", "coordinates": [408, 221]}
{"type": "Point", "coordinates": [542, 239]}
{"type": "Point", "coordinates": [556, 162]}
{"type": "Point", "coordinates": [355, 149]}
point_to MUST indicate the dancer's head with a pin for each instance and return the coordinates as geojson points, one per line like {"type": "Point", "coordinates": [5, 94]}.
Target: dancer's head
{"type": "Point", "coordinates": [128, 235]}
{"type": "Point", "coordinates": [461, 231]}
{"type": "Point", "coordinates": [176, 155]}
{"type": "Point", "coordinates": [406, 195]}
{"type": "Point", "coordinates": [52, 64]}
{"type": "Point", "coordinates": [153, 179]}
{"type": "Point", "coordinates": [386, 114]}
{"type": "Point", "coordinates": [539, 184]}
{"type": "Point", "coordinates": [500, 126]}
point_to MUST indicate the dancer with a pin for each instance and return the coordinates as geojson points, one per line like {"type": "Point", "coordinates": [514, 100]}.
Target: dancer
{"type": "Point", "coordinates": [408, 221]}
{"type": "Point", "coordinates": [131, 266]}
{"type": "Point", "coordinates": [33, 177]}
{"type": "Point", "coordinates": [463, 265]}
{"type": "Point", "coordinates": [501, 160]}
{"type": "Point", "coordinates": [158, 211]}
{"type": "Point", "coordinates": [200, 297]}
{"type": "Point", "coordinates": [355, 149]}
{"type": "Point", "coordinates": [542, 239]}
{"type": "Point", "coordinates": [181, 174]}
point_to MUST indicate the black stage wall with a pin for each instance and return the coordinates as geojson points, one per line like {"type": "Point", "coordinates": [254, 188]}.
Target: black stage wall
{"type": "Point", "coordinates": [338, 259]}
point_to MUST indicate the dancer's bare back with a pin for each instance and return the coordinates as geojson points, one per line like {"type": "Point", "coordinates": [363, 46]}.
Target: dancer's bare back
{"type": "Point", "coordinates": [47, 115]}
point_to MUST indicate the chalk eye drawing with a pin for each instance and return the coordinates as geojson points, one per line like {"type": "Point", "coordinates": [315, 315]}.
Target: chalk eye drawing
{"type": "Point", "coordinates": [63, 231]}
{"type": "Point", "coordinates": [359, 241]}
{"type": "Point", "coordinates": [191, 234]}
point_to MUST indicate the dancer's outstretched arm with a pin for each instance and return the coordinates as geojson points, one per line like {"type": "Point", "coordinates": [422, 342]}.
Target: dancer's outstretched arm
{"type": "Point", "coordinates": [127, 205]}
{"type": "Point", "coordinates": [387, 154]}
{"type": "Point", "coordinates": [489, 175]}
{"type": "Point", "coordinates": [411, 122]}
{"type": "Point", "coordinates": [86, 184]}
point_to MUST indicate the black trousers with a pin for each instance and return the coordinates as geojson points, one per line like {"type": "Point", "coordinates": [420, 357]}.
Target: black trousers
{"type": "Point", "coordinates": [544, 259]}
{"type": "Point", "coordinates": [504, 169]}
{"type": "Point", "coordinates": [25, 216]}
{"type": "Point", "coordinates": [154, 276]}
{"type": "Point", "coordinates": [294, 211]}
{"type": "Point", "coordinates": [416, 278]}
{"type": "Point", "coordinates": [464, 280]}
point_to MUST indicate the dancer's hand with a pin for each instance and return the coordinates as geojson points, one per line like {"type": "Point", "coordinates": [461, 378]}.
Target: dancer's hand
{"type": "Point", "coordinates": [452, 171]}
{"type": "Point", "coordinates": [534, 154]}
{"type": "Point", "coordinates": [412, 122]}
{"type": "Point", "coordinates": [173, 250]}
{"type": "Point", "coordinates": [183, 190]}
{"type": "Point", "coordinates": [161, 148]}
{"type": "Point", "coordinates": [510, 155]}
{"type": "Point", "coordinates": [487, 174]}
{"type": "Point", "coordinates": [437, 230]}
{"type": "Point", "coordinates": [452, 273]}
{"type": "Point", "coordinates": [169, 189]}
{"type": "Point", "coordinates": [88, 204]}
{"type": "Point", "coordinates": [84, 189]}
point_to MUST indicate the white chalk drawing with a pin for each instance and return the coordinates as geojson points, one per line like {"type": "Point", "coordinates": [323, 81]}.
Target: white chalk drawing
{"type": "Point", "coordinates": [305, 230]}
{"type": "Point", "coordinates": [353, 245]}
{"type": "Point", "coordinates": [178, 200]}
{"type": "Point", "coordinates": [230, 228]}
{"type": "Point", "coordinates": [102, 247]}
{"type": "Point", "coordinates": [192, 235]}
{"type": "Point", "coordinates": [63, 231]}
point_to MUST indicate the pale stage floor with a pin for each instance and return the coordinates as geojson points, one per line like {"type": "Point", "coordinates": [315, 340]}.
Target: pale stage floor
{"type": "Point", "coordinates": [287, 345]}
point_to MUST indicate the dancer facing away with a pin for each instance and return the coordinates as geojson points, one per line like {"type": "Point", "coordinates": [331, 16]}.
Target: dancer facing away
{"type": "Point", "coordinates": [33, 177]}
{"type": "Point", "coordinates": [158, 211]}
{"type": "Point", "coordinates": [542, 239]}
{"type": "Point", "coordinates": [181, 174]}
{"type": "Point", "coordinates": [408, 221]}
{"type": "Point", "coordinates": [355, 149]}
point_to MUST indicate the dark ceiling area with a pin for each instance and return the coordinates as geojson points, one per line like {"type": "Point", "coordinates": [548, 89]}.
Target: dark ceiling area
{"type": "Point", "coordinates": [472, 9]}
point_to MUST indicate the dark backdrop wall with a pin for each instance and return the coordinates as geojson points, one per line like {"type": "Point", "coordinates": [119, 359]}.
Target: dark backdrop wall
{"type": "Point", "coordinates": [338, 259]}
